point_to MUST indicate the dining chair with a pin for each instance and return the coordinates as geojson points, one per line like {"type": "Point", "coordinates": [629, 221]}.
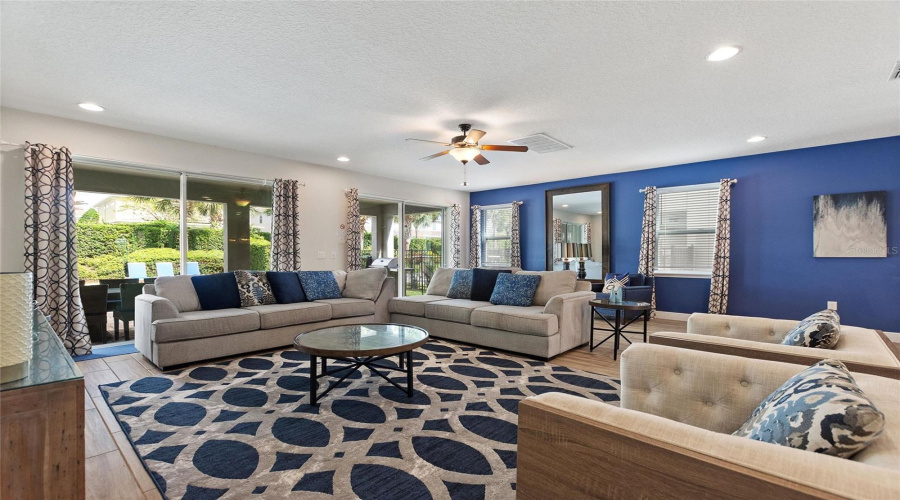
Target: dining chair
{"type": "Point", "coordinates": [136, 270]}
{"type": "Point", "coordinates": [124, 310]}
{"type": "Point", "coordinates": [165, 269]}
{"type": "Point", "coordinates": [93, 300]}
{"type": "Point", "coordinates": [192, 268]}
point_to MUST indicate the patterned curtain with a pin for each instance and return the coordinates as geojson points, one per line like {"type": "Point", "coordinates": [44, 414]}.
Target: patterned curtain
{"type": "Point", "coordinates": [515, 248]}
{"type": "Point", "coordinates": [718, 287]}
{"type": "Point", "coordinates": [647, 258]}
{"type": "Point", "coordinates": [354, 233]}
{"type": "Point", "coordinates": [475, 240]}
{"type": "Point", "coordinates": [455, 236]}
{"type": "Point", "coordinates": [587, 233]}
{"type": "Point", "coordinates": [50, 243]}
{"type": "Point", "coordinates": [285, 225]}
{"type": "Point", "coordinates": [557, 239]}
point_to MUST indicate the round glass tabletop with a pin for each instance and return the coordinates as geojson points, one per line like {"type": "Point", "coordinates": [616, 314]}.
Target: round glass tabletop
{"type": "Point", "coordinates": [361, 340]}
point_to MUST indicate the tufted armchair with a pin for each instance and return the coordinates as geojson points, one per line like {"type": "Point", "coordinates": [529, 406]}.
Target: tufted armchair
{"type": "Point", "coordinates": [862, 349]}
{"type": "Point", "coordinates": [671, 437]}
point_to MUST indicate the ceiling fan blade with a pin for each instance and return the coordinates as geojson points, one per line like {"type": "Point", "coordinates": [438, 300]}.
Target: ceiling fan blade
{"type": "Point", "coordinates": [424, 140]}
{"type": "Point", "coordinates": [442, 153]}
{"type": "Point", "coordinates": [517, 149]}
{"type": "Point", "coordinates": [481, 160]}
{"type": "Point", "coordinates": [474, 136]}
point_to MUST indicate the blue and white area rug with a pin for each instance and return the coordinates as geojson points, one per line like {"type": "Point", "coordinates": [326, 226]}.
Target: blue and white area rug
{"type": "Point", "coordinates": [242, 428]}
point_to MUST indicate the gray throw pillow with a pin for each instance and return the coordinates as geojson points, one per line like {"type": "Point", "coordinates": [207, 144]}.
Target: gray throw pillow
{"type": "Point", "coordinates": [440, 281]}
{"type": "Point", "coordinates": [365, 283]}
{"type": "Point", "coordinates": [340, 277]}
{"type": "Point", "coordinates": [179, 290]}
{"type": "Point", "coordinates": [821, 330]}
{"type": "Point", "coordinates": [821, 409]}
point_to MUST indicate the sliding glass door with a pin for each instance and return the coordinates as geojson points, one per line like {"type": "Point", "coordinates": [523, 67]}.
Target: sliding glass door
{"type": "Point", "coordinates": [424, 246]}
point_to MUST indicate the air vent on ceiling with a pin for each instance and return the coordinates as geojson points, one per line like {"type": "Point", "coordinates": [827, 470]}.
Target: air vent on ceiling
{"type": "Point", "coordinates": [895, 73]}
{"type": "Point", "coordinates": [541, 143]}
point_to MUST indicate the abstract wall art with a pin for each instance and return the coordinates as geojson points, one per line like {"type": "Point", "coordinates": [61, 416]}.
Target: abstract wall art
{"type": "Point", "coordinates": [850, 224]}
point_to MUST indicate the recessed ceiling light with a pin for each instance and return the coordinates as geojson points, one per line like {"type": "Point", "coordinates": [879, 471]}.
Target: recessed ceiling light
{"type": "Point", "coordinates": [565, 206]}
{"type": "Point", "coordinates": [343, 158]}
{"type": "Point", "coordinates": [757, 138]}
{"type": "Point", "coordinates": [90, 106]}
{"type": "Point", "coordinates": [723, 53]}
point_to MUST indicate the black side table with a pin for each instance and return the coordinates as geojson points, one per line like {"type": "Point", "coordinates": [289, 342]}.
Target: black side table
{"type": "Point", "coordinates": [618, 328]}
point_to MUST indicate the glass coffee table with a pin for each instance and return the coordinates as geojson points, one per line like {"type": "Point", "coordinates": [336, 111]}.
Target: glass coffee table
{"type": "Point", "coordinates": [359, 345]}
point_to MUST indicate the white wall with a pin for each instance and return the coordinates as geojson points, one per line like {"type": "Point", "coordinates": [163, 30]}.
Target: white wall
{"type": "Point", "coordinates": [323, 205]}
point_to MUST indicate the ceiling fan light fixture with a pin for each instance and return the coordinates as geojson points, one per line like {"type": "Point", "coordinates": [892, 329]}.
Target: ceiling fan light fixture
{"type": "Point", "coordinates": [464, 155]}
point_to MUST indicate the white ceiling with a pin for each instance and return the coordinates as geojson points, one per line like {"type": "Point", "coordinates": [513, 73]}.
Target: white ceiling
{"type": "Point", "coordinates": [626, 84]}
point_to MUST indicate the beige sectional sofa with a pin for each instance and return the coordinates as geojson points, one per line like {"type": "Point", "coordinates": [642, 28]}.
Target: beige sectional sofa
{"type": "Point", "coordinates": [671, 437]}
{"type": "Point", "coordinates": [173, 332]}
{"type": "Point", "coordinates": [862, 349]}
{"type": "Point", "coordinates": [558, 319]}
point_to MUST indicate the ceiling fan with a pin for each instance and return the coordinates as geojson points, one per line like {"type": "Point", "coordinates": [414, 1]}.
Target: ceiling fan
{"type": "Point", "coordinates": [465, 147]}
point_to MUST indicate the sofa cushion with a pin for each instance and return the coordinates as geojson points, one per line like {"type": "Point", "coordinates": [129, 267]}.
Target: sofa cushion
{"type": "Point", "coordinates": [461, 285]}
{"type": "Point", "coordinates": [340, 276]}
{"type": "Point", "coordinates": [217, 291]}
{"type": "Point", "coordinates": [529, 320]}
{"type": "Point", "coordinates": [319, 285]}
{"type": "Point", "coordinates": [455, 310]}
{"type": "Point", "coordinates": [822, 330]}
{"type": "Point", "coordinates": [202, 324]}
{"type": "Point", "coordinates": [552, 283]}
{"type": "Point", "coordinates": [515, 290]}
{"type": "Point", "coordinates": [483, 281]}
{"type": "Point", "coordinates": [254, 289]}
{"type": "Point", "coordinates": [440, 281]}
{"type": "Point", "coordinates": [365, 283]}
{"type": "Point", "coordinates": [286, 287]}
{"type": "Point", "coordinates": [414, 305]}
{"type": "Point", "coordinates": [298, 313]}
{"type": "Point", "coordinates": [179, 290]}
{"type": "Point", "coordinates": [821, 409]}
{"type": "Point", "coordinates": [349, 308]}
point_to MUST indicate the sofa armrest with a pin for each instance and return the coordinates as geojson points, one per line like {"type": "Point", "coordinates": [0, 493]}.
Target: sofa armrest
{"type": "Point", "coordinates": [571, 447]}
{"type": "Point", "coordinates": [740, 327]}
{"type": "Point", "coordinates": [574, 315]}
{"type": "Point", "coordinates": [147, 309]}
{"type": "Point", "coordinates": [388, 291]}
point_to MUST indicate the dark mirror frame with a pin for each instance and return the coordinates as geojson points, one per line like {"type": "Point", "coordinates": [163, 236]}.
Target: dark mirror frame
{"type": "Point", "coordinates": [604, 189]}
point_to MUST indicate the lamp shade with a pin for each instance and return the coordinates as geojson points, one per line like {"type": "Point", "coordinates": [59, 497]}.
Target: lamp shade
{"type": "Point", "coordinates": [16, 318]}
{"type": "Point", "coordinates": [464, 154]}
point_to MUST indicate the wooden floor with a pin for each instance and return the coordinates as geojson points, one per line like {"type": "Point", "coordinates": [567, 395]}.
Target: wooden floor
{"type": "Point", "coordinates": [113, 470]}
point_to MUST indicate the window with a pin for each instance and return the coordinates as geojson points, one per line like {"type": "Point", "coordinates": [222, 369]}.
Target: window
{"type": "Point", "coordinates": [686, 230]}
{"type": "Point", "coordinates": [496, 231]}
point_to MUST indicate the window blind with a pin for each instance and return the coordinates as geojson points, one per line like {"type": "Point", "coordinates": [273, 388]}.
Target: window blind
{"type": "Point", "coordinates": [496, 230]}
{"type": "Point", "coordinates": [686, 229]}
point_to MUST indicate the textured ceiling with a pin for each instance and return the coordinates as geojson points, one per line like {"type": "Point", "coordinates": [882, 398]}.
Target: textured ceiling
{"type": "Point", "coordinates": [626, 84]}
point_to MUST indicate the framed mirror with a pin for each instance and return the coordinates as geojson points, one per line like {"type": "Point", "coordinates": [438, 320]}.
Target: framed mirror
{"type": "Point", "coordinates": [578, 230]}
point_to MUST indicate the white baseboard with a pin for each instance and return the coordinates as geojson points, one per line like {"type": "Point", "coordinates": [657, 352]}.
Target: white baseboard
{"type": "Point", "coordinates": [893, 337]}
{"type": "Point", "coordinates": [673, 316]}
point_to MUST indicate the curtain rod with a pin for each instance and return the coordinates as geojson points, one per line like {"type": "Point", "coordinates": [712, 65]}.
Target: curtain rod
{"type": "Point", "coordinates": [730, 181]}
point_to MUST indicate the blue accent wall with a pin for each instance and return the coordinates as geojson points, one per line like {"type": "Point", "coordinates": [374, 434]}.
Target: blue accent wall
{"type": "Point", "coordinates": [773, 271]}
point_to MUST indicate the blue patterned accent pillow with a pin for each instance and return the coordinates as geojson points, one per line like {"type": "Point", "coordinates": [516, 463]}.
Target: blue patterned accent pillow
{"type": "Point", "coordinates": [821, 330]}
{"type": "Point", "coordinates": [612, 280]}
{"type": "Point", "coordinates": [821, 409]}
{"type": "Point", "coordinates": [515, 289]}
{"type": "Point", "coordinates": [254, 288]}
{"type": "Point", "coordinates": [461, 285]}
{"type": "Point", "coordinates": [319, 285]}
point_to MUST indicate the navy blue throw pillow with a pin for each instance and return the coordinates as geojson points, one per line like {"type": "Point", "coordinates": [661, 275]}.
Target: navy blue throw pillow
{"type": "Point", "coordinates": [515, 289]}
{"type": "Point", "coordinates": [319, 285]}
{"type": "Point", "coordinates": [483, 281]}
{"type": "Point", "coordinates": [286, 287]}
{"type": "Point", "coordinates": [217, 291]}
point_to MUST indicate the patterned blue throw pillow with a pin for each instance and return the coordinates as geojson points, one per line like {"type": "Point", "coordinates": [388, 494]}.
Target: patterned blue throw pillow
{"type": "Point", "coordinates": [254, 288]}
{"type": "Point", "coordinates": [821, 409]}
{"type": "Point", "coordinates": [319, 285]}
{"type": "Point", "coordinates": [461, 285]}
{"type": "Point", "coordinates": [515, 289]}
{"type": "Point", "coordinates": [821, 330]}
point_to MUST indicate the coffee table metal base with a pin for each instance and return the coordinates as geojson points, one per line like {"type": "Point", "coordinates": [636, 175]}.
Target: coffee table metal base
{"type": "Point", "coordinates": [371, 362]}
